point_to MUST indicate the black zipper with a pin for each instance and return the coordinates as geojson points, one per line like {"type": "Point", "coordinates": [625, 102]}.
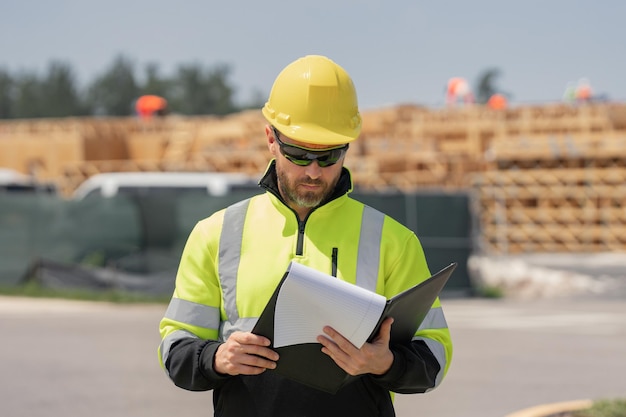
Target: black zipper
{"type": "Point", "coordinates": [300, 242]}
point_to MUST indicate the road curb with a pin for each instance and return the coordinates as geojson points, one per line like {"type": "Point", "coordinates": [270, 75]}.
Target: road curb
{"type": "Point", "coordinates": [547, 410]}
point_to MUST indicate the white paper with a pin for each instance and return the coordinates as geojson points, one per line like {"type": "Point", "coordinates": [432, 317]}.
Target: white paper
{"type": "Point", "coordinates": [309, 300]}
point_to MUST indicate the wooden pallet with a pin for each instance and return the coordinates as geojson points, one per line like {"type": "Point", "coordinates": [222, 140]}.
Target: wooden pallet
{"type": "Point", "coordinates": [560, 209]}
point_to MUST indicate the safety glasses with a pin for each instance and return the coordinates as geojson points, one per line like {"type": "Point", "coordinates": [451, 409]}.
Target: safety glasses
{"type": "Point", "coordinates": [304, 156]}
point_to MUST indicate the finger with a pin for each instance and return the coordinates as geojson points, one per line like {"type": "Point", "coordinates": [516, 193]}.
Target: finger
{"type": "Point", "coordinates": [331, 349]}
{"type": "Point", "coordinates": [233, 357]}
{"type": "Point", "coordinates": [327, 342]}
{"type": "Point", "coordinates": [343, 343]}
{"type": "Point", "coordinates": [336, 352]}
{"type": "Point", "coordinates": [249, 370]}
{"type": "Point", "coordinates": [261, 352]}
{"type": "Point", "coordinates": [240, 362]}
{"type": "Point", "coordinates": [258, 362]}
{"type": "Point", "coordinates": [236, 351]}
{"type": "Point", "coordinates": [247, 338]}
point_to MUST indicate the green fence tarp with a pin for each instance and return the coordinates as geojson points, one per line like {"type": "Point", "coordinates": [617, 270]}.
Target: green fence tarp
{"type": "Point", "coordinates": [141, 237]}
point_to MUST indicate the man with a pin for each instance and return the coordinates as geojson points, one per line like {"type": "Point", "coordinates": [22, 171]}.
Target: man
{"type": "Point", "coordinates": [234, 260]}
{"type": "Point", "coordinates": [149, 105]}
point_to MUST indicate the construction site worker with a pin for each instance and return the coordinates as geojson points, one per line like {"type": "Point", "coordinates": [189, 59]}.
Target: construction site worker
{"type": "Point", "coordinates": [148, 106]}
{"type": "Point", "coordinates": [458, 89]}
{"type": "Point", "coordinates": [234, 259]}
{"type": "Point", "coordinates": [583, 91]}
{"type": "Point", "coordinates": [497, 102]}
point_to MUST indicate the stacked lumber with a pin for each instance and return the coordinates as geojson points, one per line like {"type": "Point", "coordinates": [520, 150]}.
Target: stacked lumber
{"type": "Point", "coordinates": [560, 192]}
{"type": "Point", "coordinates": [41, 150]}
{"type": "Point", "coordinates": [546, 178]}
{"type": "Point", "coordinates": [552, 209]}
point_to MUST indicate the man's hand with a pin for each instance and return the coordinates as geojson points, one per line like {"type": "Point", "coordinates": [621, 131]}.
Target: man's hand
{"type": "Point", "coordinates": [244, 354]}
{"type": "Point", "coordinates": [373, 358]}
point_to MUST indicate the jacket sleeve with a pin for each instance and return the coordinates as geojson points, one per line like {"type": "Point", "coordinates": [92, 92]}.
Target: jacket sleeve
{"type": "Point", "coordinates": [190, 327]}
{"type": "Point", "coordinates": [421, 364]}
{"type": "Point", "coordinates": [190, 365]}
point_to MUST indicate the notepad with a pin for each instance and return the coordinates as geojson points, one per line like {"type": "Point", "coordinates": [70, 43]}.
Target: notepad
{"type": "Point", "coordinates": [306, 300]}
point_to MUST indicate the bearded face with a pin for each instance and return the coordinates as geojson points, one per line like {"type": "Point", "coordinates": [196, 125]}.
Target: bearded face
{"type": "Point", "coordinates": [302, 190]}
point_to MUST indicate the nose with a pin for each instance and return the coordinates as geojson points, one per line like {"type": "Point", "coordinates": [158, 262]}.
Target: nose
{"type": "Point", "coordinates": [313, 170]}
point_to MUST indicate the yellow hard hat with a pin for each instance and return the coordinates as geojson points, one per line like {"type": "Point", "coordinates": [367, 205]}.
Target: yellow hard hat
{"type": "Point", "coordinates": [313, 100]}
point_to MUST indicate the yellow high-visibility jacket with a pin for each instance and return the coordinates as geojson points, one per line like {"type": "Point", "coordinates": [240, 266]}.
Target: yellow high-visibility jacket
{"type": "Point", "coordinates": [231, 265]}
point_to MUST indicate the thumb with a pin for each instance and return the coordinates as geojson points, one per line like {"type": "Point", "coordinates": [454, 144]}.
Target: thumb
{"type": "Point", "coordinates": [384, 334]}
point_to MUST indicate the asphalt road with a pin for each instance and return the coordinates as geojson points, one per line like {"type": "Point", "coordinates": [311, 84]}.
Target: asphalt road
{"type": "Point", "coordinates": [66, 358]}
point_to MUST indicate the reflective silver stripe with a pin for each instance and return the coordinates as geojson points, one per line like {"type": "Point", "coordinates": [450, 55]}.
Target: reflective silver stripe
{"type": "Point", "coordinates": [439, 352]}
{"type": "Point", "coordinates": [435, 319]}
{"type": "Point", "coordinates": [169, 340]}
{"type": "Point", "coordinates": [194, 314]}
{"type": "Point", "coordinates": [368, 259]}
{"type": "Point", "coordinates": [243, 325]}
{"type": "Point", "coordinates": [230, 255]}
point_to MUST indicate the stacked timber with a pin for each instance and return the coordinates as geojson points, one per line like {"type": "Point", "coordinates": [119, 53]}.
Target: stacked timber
{"type": "Point", "coordinates": [546, 178]}
{"type": "Point", "coordinates": [561, 192]}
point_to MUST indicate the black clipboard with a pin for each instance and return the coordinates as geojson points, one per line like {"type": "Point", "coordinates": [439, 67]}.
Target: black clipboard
{"type": "Point", "coordinates": [305, 363]}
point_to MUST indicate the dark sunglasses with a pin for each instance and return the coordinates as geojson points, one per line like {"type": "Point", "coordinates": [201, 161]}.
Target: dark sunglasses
{"type": "Point", "coordinates": [304, 156]}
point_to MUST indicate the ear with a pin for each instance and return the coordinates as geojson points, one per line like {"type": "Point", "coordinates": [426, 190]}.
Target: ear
{"type": "Point", "coordinates": [271, 141]}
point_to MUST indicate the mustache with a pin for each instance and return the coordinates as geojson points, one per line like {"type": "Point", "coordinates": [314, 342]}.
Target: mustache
{"type": "Point", "coordinates": [307, 181]}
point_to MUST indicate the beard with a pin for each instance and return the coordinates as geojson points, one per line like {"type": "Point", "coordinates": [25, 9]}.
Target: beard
{"type": "Point", "coordinates": [309, 199]}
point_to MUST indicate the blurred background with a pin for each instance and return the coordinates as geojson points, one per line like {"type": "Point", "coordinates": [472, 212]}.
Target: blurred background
{"type": "Point", "coordinates": [491, 130]}
{"type": "Point", "coordinates": [121, 125]}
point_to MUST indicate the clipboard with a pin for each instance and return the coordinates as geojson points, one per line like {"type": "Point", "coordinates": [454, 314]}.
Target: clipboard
{"type": "Point", "coordinates": [305, 362]}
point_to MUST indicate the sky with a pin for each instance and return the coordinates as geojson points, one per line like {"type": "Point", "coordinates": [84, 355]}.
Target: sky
{"type": "Point", "coordinates": [397, 51]}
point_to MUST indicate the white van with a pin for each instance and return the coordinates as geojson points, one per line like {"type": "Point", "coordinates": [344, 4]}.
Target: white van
{"type": "Point", "coordinates": [114, 183]}
{"type": "Point", "coordinates": [12, 181]}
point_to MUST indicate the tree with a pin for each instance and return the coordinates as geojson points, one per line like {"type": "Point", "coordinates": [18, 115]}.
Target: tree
{"type": "Point", "coordinates": [198, 91]}
{"type": "Point", "coordinates": [28, 100]}
{"type": "Point", "coordinates": [220, 90]}
{"type": "Point", "coordinates": [486, 85]}
{"type": "Point", "coordinates": [60, 96]}
{"type": "Point", "coordinates": [114, 92]}
{"type": "Point", "coordinates": [6, 94]}
{"type": "Point", "coordinates": [193, 90]}
{"type": "Point", "coordinates": [154, 83]}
